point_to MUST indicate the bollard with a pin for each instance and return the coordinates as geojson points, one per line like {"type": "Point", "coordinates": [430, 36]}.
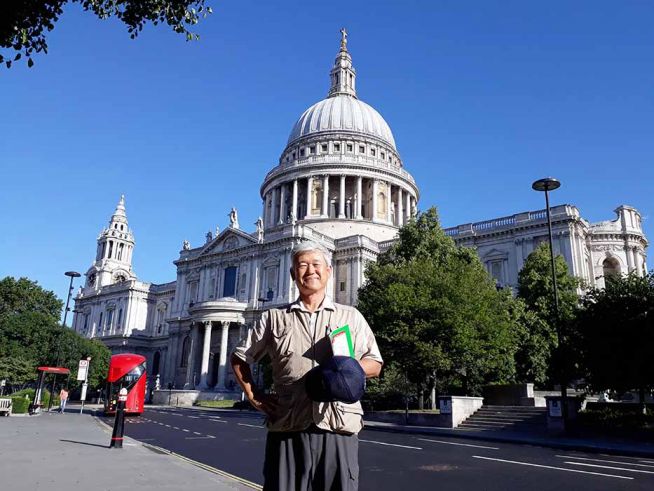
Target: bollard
{"type": "Point", "coordinates": [119, 422]}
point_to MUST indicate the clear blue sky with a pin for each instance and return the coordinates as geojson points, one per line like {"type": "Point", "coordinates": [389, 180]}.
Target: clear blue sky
{"type": "Point", "coordinates": [482, 97]}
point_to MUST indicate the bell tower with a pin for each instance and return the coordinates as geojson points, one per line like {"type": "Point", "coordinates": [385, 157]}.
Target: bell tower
{"type": "Point", "coordinates": [113, 260]}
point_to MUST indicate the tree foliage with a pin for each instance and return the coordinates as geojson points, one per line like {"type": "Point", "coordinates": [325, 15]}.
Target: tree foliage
{"type": "Point", "coordinates": [30, 335]}
{"type": "Point", "coordinates": [24, 23]}
{"type": "Point", "coordinates": [537, 357]}
{"type": "Point", "coordinates": [436, 312]}
{"type": "Point", "coordinates": [535, 285]}
{"type": "Point", "coordinates": [616, 327]}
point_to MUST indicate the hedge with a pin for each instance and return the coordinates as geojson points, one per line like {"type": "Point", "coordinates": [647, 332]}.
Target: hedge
{"type": "Point", "coordinates": [19, 404]}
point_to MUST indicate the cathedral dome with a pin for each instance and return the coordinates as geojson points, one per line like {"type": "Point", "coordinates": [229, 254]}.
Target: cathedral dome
{"type": "Point", "coordinates": [343, 113]}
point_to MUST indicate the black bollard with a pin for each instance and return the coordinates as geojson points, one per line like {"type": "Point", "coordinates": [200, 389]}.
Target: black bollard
{"type": "Point", "coordinates": [119, 422]}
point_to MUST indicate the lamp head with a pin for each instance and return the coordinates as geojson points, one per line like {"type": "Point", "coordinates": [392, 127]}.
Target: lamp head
{"type": "Point", "coordinates": [546, 184]}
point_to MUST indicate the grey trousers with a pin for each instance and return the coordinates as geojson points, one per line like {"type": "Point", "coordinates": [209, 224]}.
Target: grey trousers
{"type": "Point", "coordinates": [311, 460]}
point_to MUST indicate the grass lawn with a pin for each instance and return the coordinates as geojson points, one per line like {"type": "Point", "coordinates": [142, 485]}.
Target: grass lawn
{"type": "Point", "coordinates": [226, 404]}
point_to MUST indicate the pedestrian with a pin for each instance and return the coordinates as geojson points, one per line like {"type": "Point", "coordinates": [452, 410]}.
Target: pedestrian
{"type": "Point", "coordinates": [312, 443]}
{"type": "Point", "coordinates": [63, 398]}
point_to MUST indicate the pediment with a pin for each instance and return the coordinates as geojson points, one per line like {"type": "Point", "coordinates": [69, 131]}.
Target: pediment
{"type": "Point", "coordinates": [228, 240]}
{"type": "Point", "coordinates": [495, 254]}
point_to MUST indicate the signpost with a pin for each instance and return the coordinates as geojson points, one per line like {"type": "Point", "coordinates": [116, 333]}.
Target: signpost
{"type": "Point", "coordinates": [83, 374]}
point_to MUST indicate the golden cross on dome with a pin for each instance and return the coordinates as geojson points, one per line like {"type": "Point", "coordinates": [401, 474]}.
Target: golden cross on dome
{"type": "Point", "coordinates": [343, 39]}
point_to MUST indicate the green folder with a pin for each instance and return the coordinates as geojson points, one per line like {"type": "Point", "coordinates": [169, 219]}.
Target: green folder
{"type": "Point", "coordinates": [341, 340]}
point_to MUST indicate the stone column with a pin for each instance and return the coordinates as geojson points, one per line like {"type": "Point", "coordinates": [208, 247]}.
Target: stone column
{"type": "Point", "coordinates": [309, 191]}
{"type": "Point", "coordinates": [222, 361]}
{"type": "Point", "coordinates": [273, 206]}
{"type": "Point", "coordinates": [190, 372]}
{"type": "Point", "coordinates": [400, 208]}
{"type": "Point", "coordinates": [325, 196]}
{"type": "Point", "coordinates": [407, 211]}
{"type": "Point", "coordinates": [375, 187]}
{"type": "Point", "coordinates": [282, 199]}
{"type": "Point", "coordinates": [341, 199]}
{"type": "Point", "coordinates": [358, 201]}
{"type": "Point", "coordinates": [204, 369]}
{"type": "Point", "coordinates": [389, 199]}
{"type": "Point", "coordinates": [294, 204]}
{"type": "Point", "coordinates": [265, 210]}
{"type": "Point", "coordinates": [628, 253]}
{"type": "Point", "coordinates": [637, 265]}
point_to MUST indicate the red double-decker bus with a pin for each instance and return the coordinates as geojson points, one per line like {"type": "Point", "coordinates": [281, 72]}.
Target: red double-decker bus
{"type": "Point", "coordinates": [126, 370]}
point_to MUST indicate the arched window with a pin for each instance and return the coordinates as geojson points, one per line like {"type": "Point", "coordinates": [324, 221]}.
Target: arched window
{"type": "Point", "coordinates": [186, 350]}
{"type": "Point", "coordinates": [611, 267]}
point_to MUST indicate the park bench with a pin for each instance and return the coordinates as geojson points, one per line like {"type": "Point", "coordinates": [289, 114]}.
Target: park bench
{"type": "Point", "coordinates": [5, 406]}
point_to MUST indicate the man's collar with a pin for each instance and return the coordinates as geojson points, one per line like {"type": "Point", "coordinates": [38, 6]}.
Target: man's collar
{"type": "Point", "coordinates": [327, 304]}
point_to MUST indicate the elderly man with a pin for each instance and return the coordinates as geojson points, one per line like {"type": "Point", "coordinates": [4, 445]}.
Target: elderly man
{"type": "Point", "coordinates": [311, 445]}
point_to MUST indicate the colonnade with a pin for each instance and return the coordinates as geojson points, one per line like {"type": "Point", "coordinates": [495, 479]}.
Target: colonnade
{"type": "Point", "coordinates": [205, 346]}
{"type": "Point", "coordinates": [280, 207]}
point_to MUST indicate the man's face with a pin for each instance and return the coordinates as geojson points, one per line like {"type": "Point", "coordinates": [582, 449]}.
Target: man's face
{"type": "Point", "coordinates": [311, 272]}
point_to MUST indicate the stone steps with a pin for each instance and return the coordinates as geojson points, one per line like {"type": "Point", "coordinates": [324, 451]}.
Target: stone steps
{"type": "Point", "coordinates": [507, 417]}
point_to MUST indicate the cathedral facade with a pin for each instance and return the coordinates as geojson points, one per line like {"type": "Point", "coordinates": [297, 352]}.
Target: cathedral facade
{"type": "Point", "coordinates": [340, 181]}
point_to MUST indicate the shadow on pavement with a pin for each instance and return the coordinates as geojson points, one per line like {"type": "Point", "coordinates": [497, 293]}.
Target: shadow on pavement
{"type": "Point", "coordinates": [85, 443]}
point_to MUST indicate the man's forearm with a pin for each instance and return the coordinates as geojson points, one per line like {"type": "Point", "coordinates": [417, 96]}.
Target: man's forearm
{"type": "Point", "coordinates": [372, 368]}
{"type": "Point", "coordinates": [243, 375]}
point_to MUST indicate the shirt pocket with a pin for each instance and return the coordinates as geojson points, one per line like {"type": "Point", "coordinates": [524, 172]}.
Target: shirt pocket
{"type": "Point", "coordinates": [284, 356]}
{"type": "Point", "coordinates": [345, 417]}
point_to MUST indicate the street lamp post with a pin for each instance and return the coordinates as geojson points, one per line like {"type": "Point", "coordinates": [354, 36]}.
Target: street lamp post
{"type": "Point", "coordinates": [72, 275]}
{"type": "Point", "coordinates": [548, 184]}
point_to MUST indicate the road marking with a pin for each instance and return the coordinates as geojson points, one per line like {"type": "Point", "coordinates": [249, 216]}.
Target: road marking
{"type": "Point", "coordinates": [187, 431]}
{"type": "Point", "coordinates": [586, 464]}
{"type": "Point", "coordinates": [194, 417]}
{"type": "Point", "coordinates": [605, 461]}
{"type": "Point", "coordinates": [460, 444]}
{"type": "Point", "coordinates": [197, 433]}
{"type": "Point", "coordinates": [196, 437]}
{"type": "Point", "coordinates": [218, 421]}
{"type": "Point", "coordinates": [647, 461]}
{"type": "Point", "coordinates": [390, 444]}
{"type": "Point", "coordinates": [551, 467]}
{"type": "Point", "coordinates": [250, 426]}
{"type": "Point", "coordinates": [167, 426]}
{"type": "Point", "coordinates": [176, 427]}
{"type": "Point", "coordinates": [210, 436]}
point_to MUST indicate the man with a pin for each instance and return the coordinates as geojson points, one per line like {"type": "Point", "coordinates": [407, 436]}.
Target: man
{"type": "Point", "coordinates": [310, 445]}
{"type": "Point", "coordinates": [63, 398]}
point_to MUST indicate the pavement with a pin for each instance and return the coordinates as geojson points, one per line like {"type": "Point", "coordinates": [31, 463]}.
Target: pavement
{"type": "Point", "coordinates": [55, 451]}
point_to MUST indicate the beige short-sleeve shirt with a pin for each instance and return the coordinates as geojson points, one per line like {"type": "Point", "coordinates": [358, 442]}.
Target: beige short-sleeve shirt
{"type": "Point", "coordinates": [286, 335]}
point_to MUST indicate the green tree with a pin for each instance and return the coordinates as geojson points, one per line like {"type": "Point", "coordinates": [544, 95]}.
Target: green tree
{"type": "Point", "coordinates": [23, 295]}
{"type": "Point", "coordinates": [24, 23]}
{"type": "Point", "coordinates": [538, 356]}
{"type": "Point", "coordinates": [436, 312]}
{"type": "Point", "coordinates": [30, 335]}
{"type": "Point", "coordinates": [16, 371]}
{"type": "Point", "coordinates": [616, 327]}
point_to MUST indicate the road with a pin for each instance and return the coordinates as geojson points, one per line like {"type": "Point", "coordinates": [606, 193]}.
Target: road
{"type": "Point", "coordinates": [234, 442]}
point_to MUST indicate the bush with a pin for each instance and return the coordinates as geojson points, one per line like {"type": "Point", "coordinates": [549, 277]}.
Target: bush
{"type": "Point", "coordinates": [45, 397]}
{"type": "Point", "coordinates": [618, 420]}
{"type": "Point", "coordinates": [19, 404]}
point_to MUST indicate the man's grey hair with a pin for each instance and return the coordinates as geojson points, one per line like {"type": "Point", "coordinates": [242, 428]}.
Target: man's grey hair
{"type": "Point", "coordinates": [310, 246]}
